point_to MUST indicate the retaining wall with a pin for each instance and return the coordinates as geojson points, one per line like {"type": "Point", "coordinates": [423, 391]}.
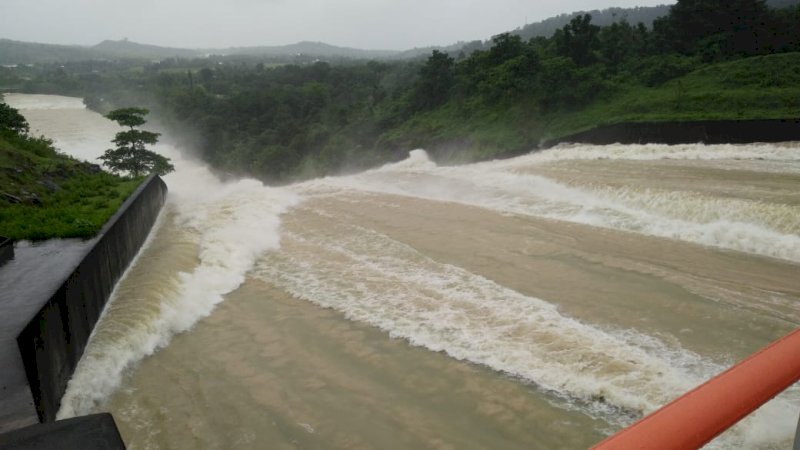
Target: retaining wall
{"type": "Point", "coordinates": [708, 132]}
{"type": "Point", "coordinates": [6, 249]}
{"type": "Point", "coordinates": [54, 340]}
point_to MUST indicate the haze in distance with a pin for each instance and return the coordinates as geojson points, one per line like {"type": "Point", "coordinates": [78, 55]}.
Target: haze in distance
{"type": "Point", "coordinates": [369, 24]}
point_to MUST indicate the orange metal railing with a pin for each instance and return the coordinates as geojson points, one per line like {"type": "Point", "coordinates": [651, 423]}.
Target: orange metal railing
{"type": "Point", "coordinates": [701, 414]}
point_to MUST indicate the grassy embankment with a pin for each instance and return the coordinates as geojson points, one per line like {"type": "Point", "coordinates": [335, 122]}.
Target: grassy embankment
{"type": "Point", "coordinates": [761, 87]}
{"type": "Point", "coordinates": [45, 194]}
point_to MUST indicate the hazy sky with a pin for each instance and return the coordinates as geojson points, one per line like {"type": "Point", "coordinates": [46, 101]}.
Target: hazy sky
{"type": "Point", "coordinates": [373, 24]}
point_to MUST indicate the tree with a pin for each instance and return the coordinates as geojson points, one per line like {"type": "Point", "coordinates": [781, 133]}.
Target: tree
{"type": "Point", "coordinates": [505, 46]}
{"type": "Point", "coordinates": [12, 120]}
{"type": "Point", "coordinates": [435, 81]}
{"type": "Point", "coordinates": [131, 155]}
{"type": "Point", "coordinates": [620, 42]}
{"type": "Point", "coordinates": [578, 40]}
{"type": "Point", "coordinates": [727, 27]}
{"type": "Point", "coordinates": [786, 29]}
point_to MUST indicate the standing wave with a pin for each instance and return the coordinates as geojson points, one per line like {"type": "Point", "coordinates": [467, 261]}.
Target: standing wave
{"type": "Point", "coordinates": [614, 375]}
{"type": "Point", "coordinates": [211, 235]}
{"type": "Point", "coordinates": [733, 224]}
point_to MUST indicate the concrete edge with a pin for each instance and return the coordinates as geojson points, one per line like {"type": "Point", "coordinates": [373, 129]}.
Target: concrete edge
{"type": "Point", "coordinates": [96, 432]}
{"type": "Point", "coordinates": [6, 249]}
{"type": "Point", "coordinates": [53, 341]}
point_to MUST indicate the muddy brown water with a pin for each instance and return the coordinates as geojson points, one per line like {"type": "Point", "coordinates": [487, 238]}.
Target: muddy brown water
{"type": "Point", "coordinates": [539, 302]}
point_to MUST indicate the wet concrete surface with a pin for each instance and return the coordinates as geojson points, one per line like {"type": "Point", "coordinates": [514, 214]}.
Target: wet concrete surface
{"type": "Point", "coordinates": [27, 282]}
{"type": "Point", "coordinates": [96, 432]}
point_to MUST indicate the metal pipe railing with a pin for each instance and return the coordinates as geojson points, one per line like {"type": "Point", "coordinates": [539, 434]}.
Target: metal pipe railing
{"type": "Point", "coordinates": [703, 413]}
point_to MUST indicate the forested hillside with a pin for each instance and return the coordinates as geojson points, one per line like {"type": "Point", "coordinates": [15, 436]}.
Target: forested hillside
{"type": "Point", "coordinates": [605, 17]}
{"type": "Point", "coordinates": [705, 59]}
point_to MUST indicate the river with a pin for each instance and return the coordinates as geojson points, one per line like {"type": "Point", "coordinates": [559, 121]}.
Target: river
{"type": "Point", "coordinates": [538, 302]}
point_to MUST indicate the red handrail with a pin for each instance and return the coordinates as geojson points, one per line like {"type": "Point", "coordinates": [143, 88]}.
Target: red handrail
{"type": "Point", "coordinates": [701, 414]}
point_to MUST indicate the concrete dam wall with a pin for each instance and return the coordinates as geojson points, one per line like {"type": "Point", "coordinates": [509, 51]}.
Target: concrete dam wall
{"type": "Point", "coordinates": [53, 341]}
{"type": "Point", "coordinates": [707, 131]}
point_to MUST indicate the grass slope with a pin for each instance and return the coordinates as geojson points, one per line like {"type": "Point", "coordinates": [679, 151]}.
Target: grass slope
{"type": "Point", "coordinates": [45, 194]}
{"type": "Point", "coordinates": [761, 87]}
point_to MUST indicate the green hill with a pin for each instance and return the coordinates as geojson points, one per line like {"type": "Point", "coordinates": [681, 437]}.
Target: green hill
{"type": "Point", "coordinates": [316, 49]}
{"type": "Point", "coordinates": [17, 52]}
{"type": "Point", "coordinates": [547, 27]}
{"type": "Point", "coordinates": [126, 49]}
{"type": "Point", "coordinates": [760, 87]}
{"type": "Point", "coordinates": [45, 194]}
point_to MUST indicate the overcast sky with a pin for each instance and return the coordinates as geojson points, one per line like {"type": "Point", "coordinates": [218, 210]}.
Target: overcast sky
{"type": "Point", "coordinates": [371, 24]}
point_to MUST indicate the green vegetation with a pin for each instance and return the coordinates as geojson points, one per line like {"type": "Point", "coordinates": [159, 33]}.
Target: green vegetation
{"type": "Point", "coordinates": [760, 87]}
{"type": "Point", "coordinates": [705, 59]}
{"type": "Point", "coordinates": [45, 194]}
{"type": "Point", "coordinates": [131, 156]}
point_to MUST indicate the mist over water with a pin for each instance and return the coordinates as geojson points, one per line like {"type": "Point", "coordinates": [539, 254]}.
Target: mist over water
{"type": "Point", "coordinates": [539, 302]}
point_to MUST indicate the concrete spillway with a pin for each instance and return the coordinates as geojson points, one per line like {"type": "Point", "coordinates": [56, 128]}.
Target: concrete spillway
{"type": "Point", "coordinates": [52, 294]}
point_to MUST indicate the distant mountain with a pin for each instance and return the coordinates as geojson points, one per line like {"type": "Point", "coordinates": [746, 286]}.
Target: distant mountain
{"type": "Point", "coordinates": [605, 17]}
{"type": "Point", "coordinates": [548, 27]}
{"type": "Point", "coordinates": [316, 49]}
{"type": "Point", "coordinates": [126, 49]}
{"type": "Point", "coordinates": [17, 52]}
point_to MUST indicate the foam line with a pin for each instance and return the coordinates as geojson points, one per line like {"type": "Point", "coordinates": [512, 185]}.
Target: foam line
{"type": "Point", "coordinates": [616, 375]}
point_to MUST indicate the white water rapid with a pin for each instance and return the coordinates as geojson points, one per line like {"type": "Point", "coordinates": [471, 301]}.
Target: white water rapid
{"type": "Point", "coordinates": [543, 301]}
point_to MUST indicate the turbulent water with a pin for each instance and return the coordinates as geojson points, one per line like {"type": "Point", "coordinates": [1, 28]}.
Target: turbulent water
{"type": "Point", "coordinates": [537, 302]}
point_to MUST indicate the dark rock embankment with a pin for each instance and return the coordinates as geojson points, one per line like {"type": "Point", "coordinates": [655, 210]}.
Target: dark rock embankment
{"type": "Point", "coordinates": [707, 131]}
{"type": "Point", "coordinates": [6, 249]}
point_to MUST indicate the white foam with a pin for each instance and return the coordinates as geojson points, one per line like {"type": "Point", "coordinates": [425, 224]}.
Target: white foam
{"type": "Point", "coordinates": [650, 152]}
{"type": "Point", "coordinates": [615, 375]}
{"type": "Point", "coordinates": [612, 374]}
{"type": "Point", "coordinates": [734, 224]}
{"type": "Point", "coordinates": [417, 159]}
{"type": "Point", "coordinates": [232, 225]}
{"type": "Point", "coordinates": [445, 308]}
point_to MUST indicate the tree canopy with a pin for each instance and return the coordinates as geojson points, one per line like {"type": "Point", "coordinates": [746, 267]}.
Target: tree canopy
{"type": "Point", "coordinates": [12, 120]}
{"type": "Point", "coordinates": [718, 27]}
{"type": "Point", "coordinates": [128, 117]}
{"type": "Point", "coordinates": [131, 154]}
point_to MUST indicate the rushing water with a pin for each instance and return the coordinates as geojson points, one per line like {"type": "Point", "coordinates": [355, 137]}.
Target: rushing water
{"type": "Point", "coordinates": [537, 302]}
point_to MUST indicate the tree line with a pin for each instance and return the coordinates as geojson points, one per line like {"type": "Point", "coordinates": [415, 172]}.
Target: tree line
{"type": "Point", "coordinates": [297, 120]}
